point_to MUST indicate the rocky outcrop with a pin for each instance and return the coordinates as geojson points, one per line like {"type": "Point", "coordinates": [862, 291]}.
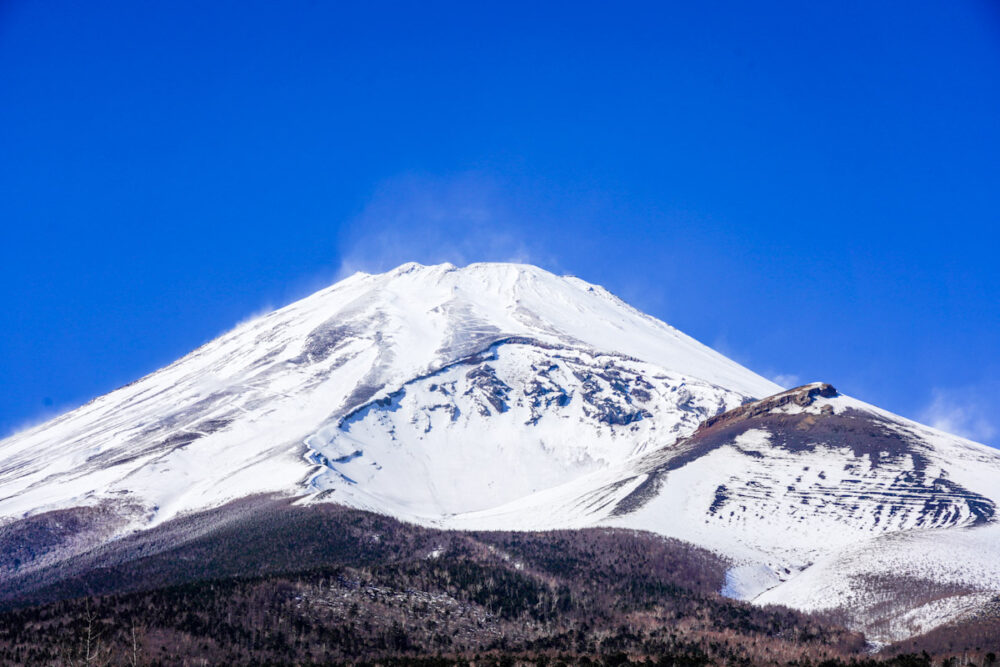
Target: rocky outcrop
{"type": "Point", "coordinates": [803, 396]}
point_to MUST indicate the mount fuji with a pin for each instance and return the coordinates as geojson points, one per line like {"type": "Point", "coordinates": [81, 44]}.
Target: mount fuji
{"type": "Point", "coordinates": [503, 397]}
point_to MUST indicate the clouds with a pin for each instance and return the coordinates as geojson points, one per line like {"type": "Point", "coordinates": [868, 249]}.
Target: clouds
{"type": "Point", "coordinates": [787, 380]}
{"type": "Point", "coordinates": [964, 412]}
{"type": "Point", "coordinates": [459, 219]}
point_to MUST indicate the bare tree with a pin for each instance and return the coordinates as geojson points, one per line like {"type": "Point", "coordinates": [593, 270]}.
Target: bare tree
{"type": "Point", "coordinates": [89, 637]}
{"type": "Point", "coordinates": [93, 653]}
{"type": "Point", "coordinates": [133, 658]}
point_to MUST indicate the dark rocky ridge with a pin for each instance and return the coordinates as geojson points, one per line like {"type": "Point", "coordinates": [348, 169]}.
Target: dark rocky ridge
{"type": "Point", "coordinates": [892, 471]}
{"type": "Point", "coordinates": [803, 396]}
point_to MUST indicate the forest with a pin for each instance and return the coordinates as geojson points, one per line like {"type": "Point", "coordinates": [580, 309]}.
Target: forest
{"type": "Point", "coordinates": [325, 585]}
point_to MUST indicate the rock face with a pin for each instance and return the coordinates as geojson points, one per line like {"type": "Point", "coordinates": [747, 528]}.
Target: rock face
{"type": "Point", "coordinates": [881, 478]}
{"type": "Point", "coordinates": [546, 414]}
{"type": "Point", "coordinates": [803, 397]}
{"type": "Point", "coordinates": [500, 396]}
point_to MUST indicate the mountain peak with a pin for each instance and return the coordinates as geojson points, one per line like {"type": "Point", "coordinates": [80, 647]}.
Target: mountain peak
{"type": "Point", "coordinates": [460, 309]}
{"type": "Point", "coordinates": [258, 408]}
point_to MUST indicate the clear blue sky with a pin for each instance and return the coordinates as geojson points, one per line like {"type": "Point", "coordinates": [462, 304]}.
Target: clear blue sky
{"type": "Point", "coordinates": [812, 188]}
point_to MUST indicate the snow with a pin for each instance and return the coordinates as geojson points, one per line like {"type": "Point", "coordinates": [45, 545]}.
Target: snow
{"type": "Point", "coordinates": [279, 379]}
{"type": "Point", "coordinates": [747, 581]}
{"type": "Point", "coordinates": [539, 433]}
{"type": "Point", "coordinates": [959, 568]}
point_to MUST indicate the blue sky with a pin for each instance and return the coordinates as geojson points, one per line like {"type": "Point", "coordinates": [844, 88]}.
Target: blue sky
{"type": "Point", "coordinates": [811, 188]}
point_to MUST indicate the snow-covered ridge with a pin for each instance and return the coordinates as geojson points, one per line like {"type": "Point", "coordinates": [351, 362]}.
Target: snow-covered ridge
{"type": "Point", "coordinates": [547, 414]}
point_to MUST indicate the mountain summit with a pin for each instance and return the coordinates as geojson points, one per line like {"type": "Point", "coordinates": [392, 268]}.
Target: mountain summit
{"type": "Point", "coordinates": [262, 408]}
{"type": "Point", "coordinates": [501, 396]}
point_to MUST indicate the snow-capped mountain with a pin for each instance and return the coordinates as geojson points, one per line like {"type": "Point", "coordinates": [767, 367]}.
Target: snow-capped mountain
{"type": "Point", "coordinates": [503, 396]}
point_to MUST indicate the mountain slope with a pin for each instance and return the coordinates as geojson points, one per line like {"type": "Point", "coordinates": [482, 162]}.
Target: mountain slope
{"type": "Point", "coordinates": [500, 396]}
{"type": "Point", "coordinates": [828, 504]}
{"type": "Point", "coordinates": [238, 414]}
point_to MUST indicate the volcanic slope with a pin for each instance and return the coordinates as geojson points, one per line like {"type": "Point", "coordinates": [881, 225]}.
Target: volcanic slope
{"type": "Point", "coordinates": [501, 396]}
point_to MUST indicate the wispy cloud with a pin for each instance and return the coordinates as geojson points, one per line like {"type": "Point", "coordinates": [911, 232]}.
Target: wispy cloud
{"type": "Point", "coordinates": [787, 380]}
{"type": "Point", "coordinates": [48, 412]}
{"type": "Point", "coordinates": [963, 412]}
{"type": "Point", "coordinates": [431, 220]}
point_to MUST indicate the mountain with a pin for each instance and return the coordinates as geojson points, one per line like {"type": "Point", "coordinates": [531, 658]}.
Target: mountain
{"type": "Point", "coordinates": [503, 397]}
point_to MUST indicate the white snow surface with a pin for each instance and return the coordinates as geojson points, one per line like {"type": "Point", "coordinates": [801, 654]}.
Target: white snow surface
{"type": "Point", "coordinates": [235, 416]}
{"type": "Point", "coordinates": [501, 396]}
